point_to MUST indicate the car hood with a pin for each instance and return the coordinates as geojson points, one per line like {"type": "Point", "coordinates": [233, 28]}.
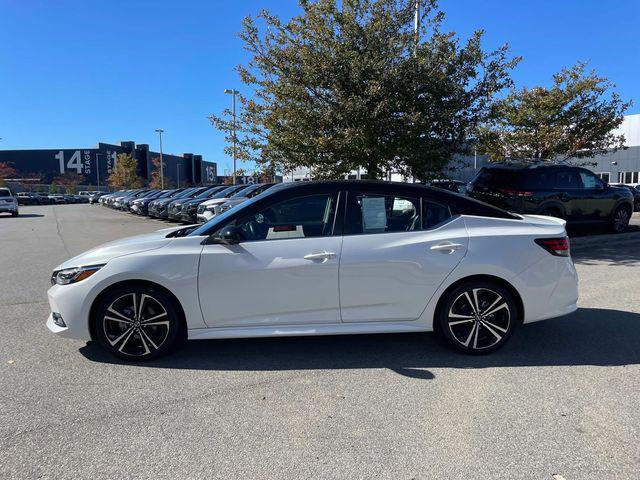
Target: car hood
{"type": "Point", "coordinates": [118, 248]}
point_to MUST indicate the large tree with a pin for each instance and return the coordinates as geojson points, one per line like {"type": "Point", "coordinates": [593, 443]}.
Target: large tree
{"type": "Point", "coordinates": [124, 174]}
{"type": "Point", "coordinates": [347, 85]}
{"type": "Point", "coordinates": [573, 118]}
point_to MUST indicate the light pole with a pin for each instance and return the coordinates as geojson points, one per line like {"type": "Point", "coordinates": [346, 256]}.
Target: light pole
{"type": "Point", "coordinates": [178, 169]}
{"type": "Point", "coordinates": [233, 92]}
{"type": "Point", "coordinates": [160, 132]}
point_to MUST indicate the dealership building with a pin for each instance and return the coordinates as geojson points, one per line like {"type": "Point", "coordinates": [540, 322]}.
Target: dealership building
{"type": "Point", "coordinates": [95, 164]}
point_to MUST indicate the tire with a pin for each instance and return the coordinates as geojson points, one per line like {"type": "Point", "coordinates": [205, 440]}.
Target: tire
{"type": "Point", "coordinates": [467, 332]}
{"type": "Point", "coordinates": [14, 214]}
{"type": "Point", "coordinates": [149, 331]}
{"type": "Point", "coordinates": [620, 219]}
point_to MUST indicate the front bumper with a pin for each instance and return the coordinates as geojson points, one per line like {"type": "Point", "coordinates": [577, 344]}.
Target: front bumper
{"type": "Point", "coordinates": [8, 207]}
{"type": "Point", "coordinates": [69, 301]}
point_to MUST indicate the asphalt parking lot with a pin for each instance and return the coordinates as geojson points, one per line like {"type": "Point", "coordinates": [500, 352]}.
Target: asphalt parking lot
{"type": "Point", "coordinates": [560, 398]}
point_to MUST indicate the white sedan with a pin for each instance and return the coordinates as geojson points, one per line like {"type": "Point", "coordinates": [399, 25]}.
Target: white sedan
{"type": "Point", "coordinates": [322, 258]}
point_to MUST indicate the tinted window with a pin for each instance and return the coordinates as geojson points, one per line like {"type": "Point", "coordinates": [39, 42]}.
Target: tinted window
{"type": "Point", "coordinates": [568, 179]}
{"type": "Point", "coordinates": [496, 177]}
{"type": "Point", "coordinates": [5, 192]}
{"type": "Point", "coordinates": [543, 179]}
{"type": "Point", "coordinates": [301, 217]}
{"type": "Point", "coordinates": [375, 213]}
{"type": "Point", "coordinates": [433, 214]}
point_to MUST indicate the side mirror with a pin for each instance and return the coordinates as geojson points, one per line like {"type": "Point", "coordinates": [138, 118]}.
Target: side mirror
{"type": "Point", "coordinates": [229, 235]}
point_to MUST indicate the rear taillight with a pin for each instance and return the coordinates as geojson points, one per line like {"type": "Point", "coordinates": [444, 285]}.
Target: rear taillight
{"type": "Point", "coordinates": [515, 192]}
{"type": "Point", "coordinates": [555, 246]}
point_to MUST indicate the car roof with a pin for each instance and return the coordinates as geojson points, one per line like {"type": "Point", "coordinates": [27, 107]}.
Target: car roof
{"type": "Point", "coordinates": [527, 166]}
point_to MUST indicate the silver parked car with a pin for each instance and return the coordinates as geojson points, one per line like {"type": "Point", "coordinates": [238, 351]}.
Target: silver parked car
{"type": "Point", "coordinates": [8, 203]}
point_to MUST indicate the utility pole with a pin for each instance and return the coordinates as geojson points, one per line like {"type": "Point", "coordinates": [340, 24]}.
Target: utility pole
{"type": "Point", "coordinates": [233, 92]}
{"type": "Point", "coordinates": [160, 132]}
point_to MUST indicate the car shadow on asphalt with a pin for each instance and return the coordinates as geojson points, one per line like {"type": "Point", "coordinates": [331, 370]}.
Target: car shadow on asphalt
{"type": "Point", "coordinates": [590, 336]}
{"type": "Point", "coordinates": [612, 253]}
{"type": "Point", "coordinates": [23, 215]}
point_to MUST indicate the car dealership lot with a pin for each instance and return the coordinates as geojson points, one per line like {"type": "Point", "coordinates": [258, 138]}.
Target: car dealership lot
{"type": "Point", "coordinates": [560, 398]}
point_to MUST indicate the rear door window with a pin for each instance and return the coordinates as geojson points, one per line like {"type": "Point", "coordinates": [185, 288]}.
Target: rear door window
{"type": "Point", "coordinates": [433, 214]}
{"type": "Point", "coordinates": [369, 213]}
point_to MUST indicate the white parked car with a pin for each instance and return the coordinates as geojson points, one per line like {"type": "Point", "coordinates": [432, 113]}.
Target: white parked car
{"type": "Point", "coordinates": [209, 209]}
{"type": "Point", "coordinates": [322, 258]}
{"type": "Point", "coordinates": [8, 203]}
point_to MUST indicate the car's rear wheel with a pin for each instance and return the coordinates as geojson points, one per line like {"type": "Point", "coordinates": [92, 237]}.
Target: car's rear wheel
{"type": "Point", "coordinates": [137, 322]}
{"type": "Point", "coordinates": [477, 317]}
{"type": "Point", "coordinates": [620, 219]}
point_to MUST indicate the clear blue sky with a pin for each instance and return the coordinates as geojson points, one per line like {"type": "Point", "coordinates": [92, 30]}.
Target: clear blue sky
{"type": "Point", "coordinates": [76, 72]}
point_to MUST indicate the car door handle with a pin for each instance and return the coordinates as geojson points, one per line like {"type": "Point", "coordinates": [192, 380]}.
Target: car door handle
{"type": "Point", "coordinates": [321, 255]}
{"type": "Point", "coordinates": [447, 247]}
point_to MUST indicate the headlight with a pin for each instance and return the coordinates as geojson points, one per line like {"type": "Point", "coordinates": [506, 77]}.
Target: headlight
{"type": "Point", "coordinates": [73, 275]}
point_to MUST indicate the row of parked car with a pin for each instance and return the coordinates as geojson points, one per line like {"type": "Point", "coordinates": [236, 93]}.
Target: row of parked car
{"type": "Point", "coordinates": [189, 205]}
{"type": "Point", "coordinates": [38, 198]}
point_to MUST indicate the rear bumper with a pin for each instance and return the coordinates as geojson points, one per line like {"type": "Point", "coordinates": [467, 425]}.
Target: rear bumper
{"type": "Point", "coordinates": [551, 288]}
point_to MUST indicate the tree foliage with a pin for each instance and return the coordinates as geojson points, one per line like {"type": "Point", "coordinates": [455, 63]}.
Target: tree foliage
{"type": "Point", "coordinates": [6, 171]}
{"type": "Point", "coordinates": [345, 85]}
{"type": "Point", "coordinates": [574, 118]}
{"type": "Point", "coordinates": [124, 174]}
{"type": "Point", "coordinates": [156, 178]}
{"type": "Point", "coordinates": [70, 181]}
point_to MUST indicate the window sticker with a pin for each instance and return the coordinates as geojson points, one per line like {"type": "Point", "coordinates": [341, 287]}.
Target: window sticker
{"type": "Point", "coordinates": [374, 215]}
{"type": "Point", "coordinates": [285, 231]}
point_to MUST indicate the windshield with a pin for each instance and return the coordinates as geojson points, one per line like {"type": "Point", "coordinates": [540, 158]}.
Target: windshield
{"type": "Point", "coordinates": [246, 191]}
{"type": "Point", "coordinates": [210, 191]}
{"type": "Point", "coordinates": [5, 192]}
{"type": "Point", "coordinates": [227, 191]}
{"type": "Point", "coordinates": [181, 194]}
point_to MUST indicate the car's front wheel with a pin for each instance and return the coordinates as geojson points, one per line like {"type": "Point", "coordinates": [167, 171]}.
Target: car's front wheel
{"type": "Point", "coordinates": [477, 317]}
{"type": "Point", "coordinates": [137, 322]}
{"type": "Point", "coordinates": [620, 219]}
